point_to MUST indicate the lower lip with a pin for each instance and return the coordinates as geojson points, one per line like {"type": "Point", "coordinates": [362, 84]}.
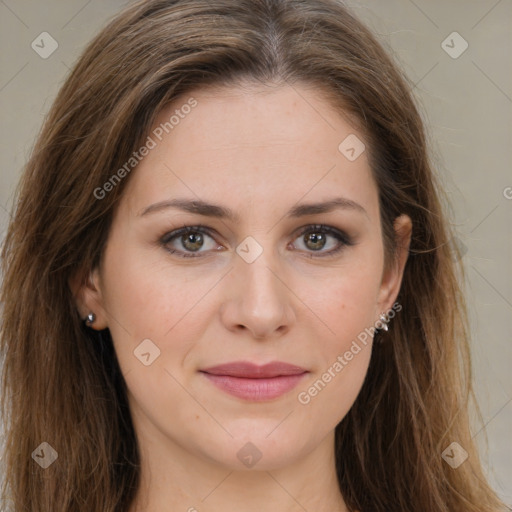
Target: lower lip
{"type": "Point", "coordinates": [256, 390]}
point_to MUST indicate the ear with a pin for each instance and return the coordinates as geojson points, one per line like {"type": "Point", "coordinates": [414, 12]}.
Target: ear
{"type": "Point", "coordinates": [88, 297]}
{"type": "Point", "coordinates": [392, 276]}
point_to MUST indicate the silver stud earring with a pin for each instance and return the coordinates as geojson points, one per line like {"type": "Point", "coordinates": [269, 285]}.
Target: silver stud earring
{"type": "Point", "coordinates": [384, 320]}
{"type": "Point", "coordinates": [90, 318]}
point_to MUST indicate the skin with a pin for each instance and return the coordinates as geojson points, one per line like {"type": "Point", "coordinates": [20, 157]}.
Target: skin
{"type": "Point", "coordinates": [259, 151]}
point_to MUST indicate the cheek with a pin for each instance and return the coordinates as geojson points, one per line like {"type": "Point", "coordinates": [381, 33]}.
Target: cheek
{"type": "Point", "coordinates": [146, 302]}
{"type": "Point", "coordinates": [346, 300]}
{"type": "Point", "coordinates": [331, 392]}
{"type": "Point", "coordinates": [347, 309]}
{"type": "Point", "coordinates": [143, 303]}
{"type": "Point", "coordinates": [145, 296]}
{"type": "Point", "coordinates": [348, 303]}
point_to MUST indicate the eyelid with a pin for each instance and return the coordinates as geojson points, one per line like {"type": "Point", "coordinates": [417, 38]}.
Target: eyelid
{"type": "Point", "coordinates": [330, 230]}
{"type": "Point", "coordinates": [192, 228]}
{"type": "Point", "coordinates": [195, 228]}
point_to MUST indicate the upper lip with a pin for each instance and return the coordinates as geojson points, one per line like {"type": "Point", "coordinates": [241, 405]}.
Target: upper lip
{"type": "Point", "coordinates": [253, 371]}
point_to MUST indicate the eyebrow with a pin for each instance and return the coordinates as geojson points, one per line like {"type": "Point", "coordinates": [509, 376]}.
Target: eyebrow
{"type": "Point", "coordinates": [200, 207]}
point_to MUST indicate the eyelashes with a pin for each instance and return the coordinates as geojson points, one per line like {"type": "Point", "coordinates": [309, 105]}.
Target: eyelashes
{"type": "Point", "coordinates": [189, 235]}
{"type": "Point", "coordinates": [184, 232]}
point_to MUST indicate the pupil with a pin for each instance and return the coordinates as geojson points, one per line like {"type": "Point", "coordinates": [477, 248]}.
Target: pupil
{"type": "Point", "coordinates": [193, 238]}
{"type": "Point", "coordinates": [316, 238]}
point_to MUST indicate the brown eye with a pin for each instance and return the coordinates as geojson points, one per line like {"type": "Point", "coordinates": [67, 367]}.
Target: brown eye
{"type": "Point", "coordinates": [316, 238]}
{"type": "Point", "coordinates": [315, 241]}
{"type": "Point", "coordinates": [188, 240]}
{"type": "Point", "coordinates": [192, 241]}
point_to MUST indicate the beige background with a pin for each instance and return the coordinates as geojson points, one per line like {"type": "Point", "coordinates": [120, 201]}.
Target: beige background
{"type": "Point", "coordinates": [467, 102]}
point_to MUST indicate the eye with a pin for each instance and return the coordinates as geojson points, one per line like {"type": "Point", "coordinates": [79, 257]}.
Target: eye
{"type": "Point", "coordinates": [316, 237]}
{"type": "Point", "coordinates": [189, 240]}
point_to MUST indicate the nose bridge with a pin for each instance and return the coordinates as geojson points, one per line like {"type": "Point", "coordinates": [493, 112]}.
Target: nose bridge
{"type": "Point", "coordinates": [261, 288]}
{"type": "Point", "coordinates": [260, 281]}
{"type": "Point", "coordinates": [259, 301]}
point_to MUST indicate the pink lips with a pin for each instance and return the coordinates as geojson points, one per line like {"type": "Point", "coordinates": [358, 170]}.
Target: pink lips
{"type": "Point", "coordinates": [256, 383]}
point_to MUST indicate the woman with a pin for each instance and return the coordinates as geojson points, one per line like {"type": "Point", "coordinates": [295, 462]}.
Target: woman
{"type": "Point", "coordinates": [228, 283]}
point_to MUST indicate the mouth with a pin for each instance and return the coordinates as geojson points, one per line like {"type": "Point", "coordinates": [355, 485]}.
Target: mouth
{"type": "Point", "coordinates": [252, 382]}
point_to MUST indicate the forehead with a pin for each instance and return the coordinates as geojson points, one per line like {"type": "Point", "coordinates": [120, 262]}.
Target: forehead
{"type": "Point", "coordinates": [252, 145]}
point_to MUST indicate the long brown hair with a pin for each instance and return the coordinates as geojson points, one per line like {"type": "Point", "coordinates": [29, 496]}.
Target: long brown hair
{"type": "Point", "coordinates": [61, 382]}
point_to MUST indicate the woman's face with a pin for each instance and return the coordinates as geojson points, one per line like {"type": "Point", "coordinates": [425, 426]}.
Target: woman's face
{"type": "Point", "coordinates": [267, 278]}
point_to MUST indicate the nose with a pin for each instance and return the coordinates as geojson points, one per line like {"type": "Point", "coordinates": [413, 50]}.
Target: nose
{"type": "Point", "coordinates": [258, 299]}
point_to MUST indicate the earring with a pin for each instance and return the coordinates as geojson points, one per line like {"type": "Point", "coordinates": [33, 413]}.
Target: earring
{"type": "Point", "coordinates": [90, 319]}
{"type": "Point", "coordinates": [384, 321]}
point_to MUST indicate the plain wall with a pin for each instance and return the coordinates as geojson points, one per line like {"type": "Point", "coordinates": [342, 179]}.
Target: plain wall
{"type": "Point", "coordinates": [466, 102]}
